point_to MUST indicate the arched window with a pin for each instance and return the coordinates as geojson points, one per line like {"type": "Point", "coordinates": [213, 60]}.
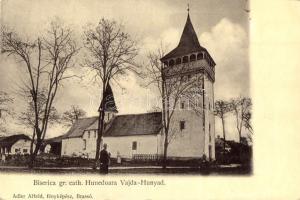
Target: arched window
{"type": "Point", "coordinates": [192, 57]}
{"type": "Point", "coordinates": [185, 59]}
{"type": "Point", "coordinates": [171, 62]}
{"type": "Point", "coordinates": [178, 61]}
{"type": "Point", "coordinates": [200, 56]}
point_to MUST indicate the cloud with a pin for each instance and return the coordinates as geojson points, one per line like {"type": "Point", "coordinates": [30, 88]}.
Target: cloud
{"type": "Point", "coordinates": [227, 43]}
{"type": "Point", "coordinates": [169, 38]}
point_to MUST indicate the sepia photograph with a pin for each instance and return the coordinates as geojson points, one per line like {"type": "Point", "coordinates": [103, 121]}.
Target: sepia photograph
{"type": "Point", "coordinates": [158, 87]}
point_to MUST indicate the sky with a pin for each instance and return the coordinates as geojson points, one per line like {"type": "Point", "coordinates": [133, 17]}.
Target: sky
{"type": "Point", "coordinates": [221, 26]}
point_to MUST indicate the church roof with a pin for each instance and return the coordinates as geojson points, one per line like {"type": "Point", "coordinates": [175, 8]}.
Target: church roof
{"type": "Point", "coordinates": [110, 104]}
{"type": "Point", "coordinates": [135, 124]}
{"type": "Point", "coordinates": [188, 42]}
{"type": "Point", "coordinates": [120, 125]}
{"type": "Point", "coordinates": [79, 126]}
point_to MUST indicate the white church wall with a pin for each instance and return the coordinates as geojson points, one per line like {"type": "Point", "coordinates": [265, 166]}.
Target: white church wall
{"type": "Point", "coordinates": [86, 145]}
{"type": "Point", "coordinates": [89, 141]}
{"type": "Point", "coordinates": [146, 144]}
{"type": "Point", "coordinates": [72, 147]}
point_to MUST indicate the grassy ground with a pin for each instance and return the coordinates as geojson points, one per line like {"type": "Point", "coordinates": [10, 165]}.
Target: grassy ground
{"type": "Point", "coordinates": [61, 165]}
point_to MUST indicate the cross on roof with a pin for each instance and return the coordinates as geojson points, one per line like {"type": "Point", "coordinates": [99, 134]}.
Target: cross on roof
{"type": "Point", "coordinates": [188, 7]}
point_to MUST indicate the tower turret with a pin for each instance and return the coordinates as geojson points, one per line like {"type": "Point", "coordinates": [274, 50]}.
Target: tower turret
{"type": "Point", "coordinates": [109, 106]}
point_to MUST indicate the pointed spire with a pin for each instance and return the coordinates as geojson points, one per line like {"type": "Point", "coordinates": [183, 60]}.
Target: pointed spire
{"type": "Point", "coordinates": [188, 42]}
{"type": "Point", "coordinates": [109, 100]}
{"type": "Point", "coordinates": [189, 37]}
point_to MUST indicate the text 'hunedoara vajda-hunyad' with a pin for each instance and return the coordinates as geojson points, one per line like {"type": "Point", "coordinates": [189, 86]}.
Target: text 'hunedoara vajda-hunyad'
{"type": "Point", "coordinates": [121, 182]}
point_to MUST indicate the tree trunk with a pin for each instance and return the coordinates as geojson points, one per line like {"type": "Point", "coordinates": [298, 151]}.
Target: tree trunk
{"type": "Point", "coordinates": [99, 139]}
{"type": "Point", "coordinates": [100, 127]}
{"type": "Point", "coordinates": [163, 84]}
{"type": "Point", "coordinates": [224, 134]}
{"type": "Point", "coordinates": [164, 164]}
{"type": "Point", "coordinates": [34, 154]}
{"type": "Point", "coordinates": [97, 143]}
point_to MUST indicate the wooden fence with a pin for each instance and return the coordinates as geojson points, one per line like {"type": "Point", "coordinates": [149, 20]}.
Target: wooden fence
{"type": "Point", "coordinates": [146, 157]}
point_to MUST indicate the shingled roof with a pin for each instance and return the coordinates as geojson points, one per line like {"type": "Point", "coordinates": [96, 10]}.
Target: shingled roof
{"type": "Point", "coordinates": [135, 124]}
{"type": "Point", "coordinates": [120, 125]}
{"type": "Point", "coordinates": [188, 43]}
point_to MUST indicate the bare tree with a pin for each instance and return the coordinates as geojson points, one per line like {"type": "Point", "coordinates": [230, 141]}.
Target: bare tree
{"type": "Point", "coordinates": [173, 87]}
{"type": "Point", "coordinates": [247, 121]}
{"type": "Point", "coordinates": [111, 53]}
{"type": "Point", "coordinates": [221, 109]}
{"type": "Point", "coordinates": [241, 108]}
{"type": "Point", "coordinates": [27, 117]}
{"type": "Point", "coordinates": [72, 115]}
{"type": "Point", "coordinates": [46, 61]}
{"type": "Point", "coordinates": [154, 109]}
{"type": "Point", "coordinates": [5, 108]}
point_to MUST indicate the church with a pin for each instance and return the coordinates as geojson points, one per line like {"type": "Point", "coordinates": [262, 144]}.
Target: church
{"type": "Point", "coordinates": [132, 136]}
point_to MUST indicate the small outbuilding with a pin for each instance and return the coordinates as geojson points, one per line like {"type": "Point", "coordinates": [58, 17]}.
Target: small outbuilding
{"type": "Point", "coordinates": [15, 144]}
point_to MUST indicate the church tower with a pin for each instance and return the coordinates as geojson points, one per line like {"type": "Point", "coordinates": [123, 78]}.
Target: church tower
{"type": "Point", "coordinates": [109, 106]}
{"type": "Point", "coordinates": [194, 124]}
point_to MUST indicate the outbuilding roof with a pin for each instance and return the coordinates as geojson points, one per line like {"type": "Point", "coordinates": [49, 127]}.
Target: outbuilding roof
{"type": "Point", "coordinates": [54, 139]}
{"type": "Point", "coordinates": [8, 141]}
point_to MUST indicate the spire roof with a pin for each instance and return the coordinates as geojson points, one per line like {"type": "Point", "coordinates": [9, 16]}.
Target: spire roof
{"type": "Point", "coordinates": [109, 100]}
{"type": "Point", "coordinates": [188, 42]}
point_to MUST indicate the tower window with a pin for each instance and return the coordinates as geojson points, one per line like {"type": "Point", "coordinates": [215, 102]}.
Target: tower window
{"type": "Point", "coordinates": [192, 57]}
{"type": "Point", "coordinates": [209, 133]}
{"type": "Point", "coordinates": [84, 144]}
{"type": "Point", "coordinates": [89, 134]}
{"type": "Point", "coordinates": [182, 105]}
{"type": "Point", "coordinates": [95, 134]}
{"type": "Point", "coordinates": [182, 125]}
{"type": "Point", "coordinates": [134, 145]}
{"type": "Point", "coordinates": [185, 59]}
{"type": "Point", "coordinates": [178, 61]}
{"type": "Point", "coordinates": [199, 56]}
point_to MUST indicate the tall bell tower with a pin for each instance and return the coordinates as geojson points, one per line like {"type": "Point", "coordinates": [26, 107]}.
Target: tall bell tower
{"type": "Point", "coordinates": [195, 130]}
